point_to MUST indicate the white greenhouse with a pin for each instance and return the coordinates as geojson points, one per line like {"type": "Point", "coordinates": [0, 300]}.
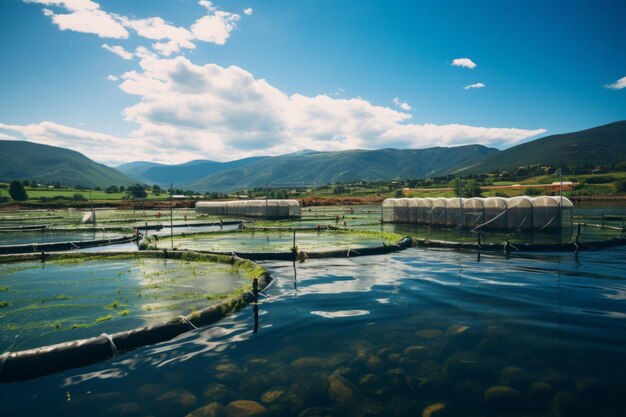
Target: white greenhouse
{"type": "Point", "coordinates": [267, 209]}
{"type": "Point", "coordinates": [526, 213]}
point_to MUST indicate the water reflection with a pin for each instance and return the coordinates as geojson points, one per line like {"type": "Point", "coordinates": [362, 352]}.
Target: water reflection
{"type": "Point", "coordinates": [519, 336]}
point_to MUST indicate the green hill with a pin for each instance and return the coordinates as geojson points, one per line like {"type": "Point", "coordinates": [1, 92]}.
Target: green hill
{"type": "Point", "coordinates": [602, 145]}
{"type": "Point", "coordinates": [27, 160]}
{"type": "Point", "coordinates": [319, 168]}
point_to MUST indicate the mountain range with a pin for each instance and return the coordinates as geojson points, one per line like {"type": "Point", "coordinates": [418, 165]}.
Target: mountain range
{"type": "Point", "coordinates": [43, 163]}
{"type": "Point", "coordinates": [602, 145]}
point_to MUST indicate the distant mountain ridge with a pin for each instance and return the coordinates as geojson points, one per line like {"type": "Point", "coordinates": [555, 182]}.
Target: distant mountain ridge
{"type": "Point", "coordinates": [21, 160]}
{"type": "Point", "coordinates": [320, 168]}
{"type": "Point", "coordinates": [601, 145]}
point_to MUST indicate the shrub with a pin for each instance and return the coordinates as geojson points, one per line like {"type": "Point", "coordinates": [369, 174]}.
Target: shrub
{"type": "Point", "coordinates": [17, 191]}
{"type": "Point", "coordinates": [620, 186]}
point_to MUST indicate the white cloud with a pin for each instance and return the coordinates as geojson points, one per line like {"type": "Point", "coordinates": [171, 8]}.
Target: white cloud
{"type": "Point", "coordinates": [402, 104]}
{"type": "Point", "coordinates": [143, 52]}
{"type": "Point", "coordinates": [186, 111]}
{"type": "Point", "coordinates": [156, 28]}
{"type": "Point", "coordinates": [225, 113]}
{"type": "Point", "coordinates": [118, 50]}
{"type": "Point", "coordinates": [7, 137]}
{"type": "Point", "coordinates": [207, 5]}
{"type": "Point", "coordinates": [463, 62]}
{"type": "Point", "coordinates": [248, 11]}
{"type": "Point", "coordinates": [112, 78]}
{"type": "Point", "coordinates": [475, 85]}
{"type": "Point", "coordinates": [617, 85]}
{"type": "Point", "coordinates": [86, 16]}
{"type": "Point", "coordinates": [215, 28]}
{"type": "Point", "coordinates": [96, 145]}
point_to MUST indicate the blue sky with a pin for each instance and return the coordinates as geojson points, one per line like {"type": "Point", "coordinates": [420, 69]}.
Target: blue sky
{"type": "Point", "coordinates": [171, 81]}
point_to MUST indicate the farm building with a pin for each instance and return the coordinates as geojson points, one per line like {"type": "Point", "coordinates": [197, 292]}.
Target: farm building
{"type": "Point", "coordinates": [266, 209]}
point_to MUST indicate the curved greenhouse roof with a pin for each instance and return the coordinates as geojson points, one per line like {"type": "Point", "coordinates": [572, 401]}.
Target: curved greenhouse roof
{"type": "Point", "coordinates": [531, 213]}
{"type": "Point", "coordinates": [269, 209]}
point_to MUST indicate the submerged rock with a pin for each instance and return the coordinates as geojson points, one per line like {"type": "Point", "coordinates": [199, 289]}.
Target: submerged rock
{"type": "Point", "coordinates": [455, 329]}
{"type": "Point", "coordinates": [540, 391]}
{"type": "Point", "coordinates": [434, 410]}
{"type": "Point", "coordinates": [273, 395]}
{"type": "Point", "coordinates": [178, 398]}
{"type": "Point", "coordinates": [312, 363]}
{"type": "Point", "coordinates": [375, 364]}
{"type": "Point", "coordinates": [312, 389]}
{"type": "Point", "coordinates": [503, 398]}
{"type": "Point", "coordinates": [257, 365]}
{"type": "Point", "coordinates": [150, 390]}
{"type": "Point", "coordinates": [218, 393]}
{"type": "Point", "coordinates": [316, 412]}
{"type": "Point", "coordinates": [515, 377]}
{"type": "Point", "coordinates": [209, 410]}
{"type": "Point", "coordinates": [245, 408]}
{"type": "Point", "coordinates": [429, 333]}
{"type": "Point", "coordinates": [416, 352]}
{"type": "Point", "coordinates": [467, 365]}
{"type": "Point", "coordinates": [341, 390]}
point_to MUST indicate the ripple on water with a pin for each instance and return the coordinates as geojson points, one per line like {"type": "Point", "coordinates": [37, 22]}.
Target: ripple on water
{"type": "Point", "coordinates": [418, 332]}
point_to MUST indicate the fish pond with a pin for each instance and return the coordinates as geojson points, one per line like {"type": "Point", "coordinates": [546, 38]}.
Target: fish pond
{"type": "Point", "coordinates": [418, 332]}
{"type": "Point", "coordinates": [63, 300]}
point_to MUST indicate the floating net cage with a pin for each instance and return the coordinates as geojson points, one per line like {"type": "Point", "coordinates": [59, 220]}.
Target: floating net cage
{"type": "Point", "coordinates": [267, 209]}
{"type": "Point", "coordinates": [545, 213]}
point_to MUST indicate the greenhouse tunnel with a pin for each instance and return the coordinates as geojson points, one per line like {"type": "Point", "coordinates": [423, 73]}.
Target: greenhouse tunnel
{"type": "Point", "coordinates": [548, 213]}
{"type": "Point", "coordinates": [267, 209]}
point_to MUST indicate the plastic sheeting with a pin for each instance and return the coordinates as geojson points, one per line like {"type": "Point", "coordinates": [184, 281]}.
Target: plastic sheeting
{"type": "Point", "coordinates": [527, 213]}
{"type": "Point", "coordinates": [268, 209]}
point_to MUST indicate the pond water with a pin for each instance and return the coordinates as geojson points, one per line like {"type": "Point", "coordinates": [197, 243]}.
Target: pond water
{"type": "Point", "coordinates": [24, 238]}
{"type": "Point", "coordinates": [391, 335]}
{"type": "Point", "coordinates": [60, 301]}
{"type": "Point", "coordinates": [274, 241]}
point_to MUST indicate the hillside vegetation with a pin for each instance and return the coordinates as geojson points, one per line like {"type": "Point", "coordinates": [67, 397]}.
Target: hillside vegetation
{"type": "Point", "coordinates": [45, 164]}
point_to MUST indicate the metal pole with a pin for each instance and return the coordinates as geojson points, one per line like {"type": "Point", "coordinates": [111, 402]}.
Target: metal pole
{"type": "Point", "coordinates": [267, 189]}
{"type": "Point", "coordinates": [560, 198]}
{"type": "Point", "coordinates": [172, 215]}
{"type": "Point", "coordinates": [461, 203]}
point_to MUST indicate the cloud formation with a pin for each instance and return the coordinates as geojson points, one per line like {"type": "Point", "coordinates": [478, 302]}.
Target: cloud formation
{"type": "Point", "coordinates": [187, 111]}
{"type": "Point", "coordinates": [475, 85]}
{"type": "Point", "coordinates": [463, 62]}
{"type": "Point", "coordinates": [248, 11]}
{"type": "Point", "coordinates": [617, 85]}
{"type": "Point", "coordinates": [402, 104]}
{"type": "Point", "coordinates": [86, 16]}
{"type": "Point", "coordinates": [118, 50]}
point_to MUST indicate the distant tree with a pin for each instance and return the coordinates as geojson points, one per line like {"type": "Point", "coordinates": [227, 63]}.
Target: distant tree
{"type": "Point", "coordinates": [156, 188]}
{"type": "Point", "coordinates": [471, 188]}
{"type": "Point", "coordinates": [97, 189]}
{"type": "Point", "coordinates": [620, 187]}
{"type": "Point", "coordinates": [112, 189]}
{"type": "Point", "coordinates": [26, 183]}
{"type": "Point", "coordinates": [78, 197]}
{"type": "Point", "coordinates": [122, 188]}
{"type": "Point", "coordinates": [136, 191]}
{"type": "Point", "coordinates": [17, 191]}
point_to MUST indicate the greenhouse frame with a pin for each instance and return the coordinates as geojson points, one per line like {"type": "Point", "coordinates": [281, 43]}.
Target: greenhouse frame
{"type": "Point", "coordinates": [267, 209]}
{"type": "Point", "coordinates": [494, 213]}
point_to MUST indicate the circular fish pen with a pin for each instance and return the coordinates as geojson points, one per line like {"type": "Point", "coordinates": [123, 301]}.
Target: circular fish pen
{"type": "Point", "coordinates": [78, 308]}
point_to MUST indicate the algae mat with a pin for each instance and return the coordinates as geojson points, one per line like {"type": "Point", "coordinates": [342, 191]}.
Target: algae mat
{"type": "Point", "coordinates": [41, 304]}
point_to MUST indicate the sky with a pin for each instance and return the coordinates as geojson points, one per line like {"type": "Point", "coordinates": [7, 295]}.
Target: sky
{"type": "Point", "coordinates": [178, 80]}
